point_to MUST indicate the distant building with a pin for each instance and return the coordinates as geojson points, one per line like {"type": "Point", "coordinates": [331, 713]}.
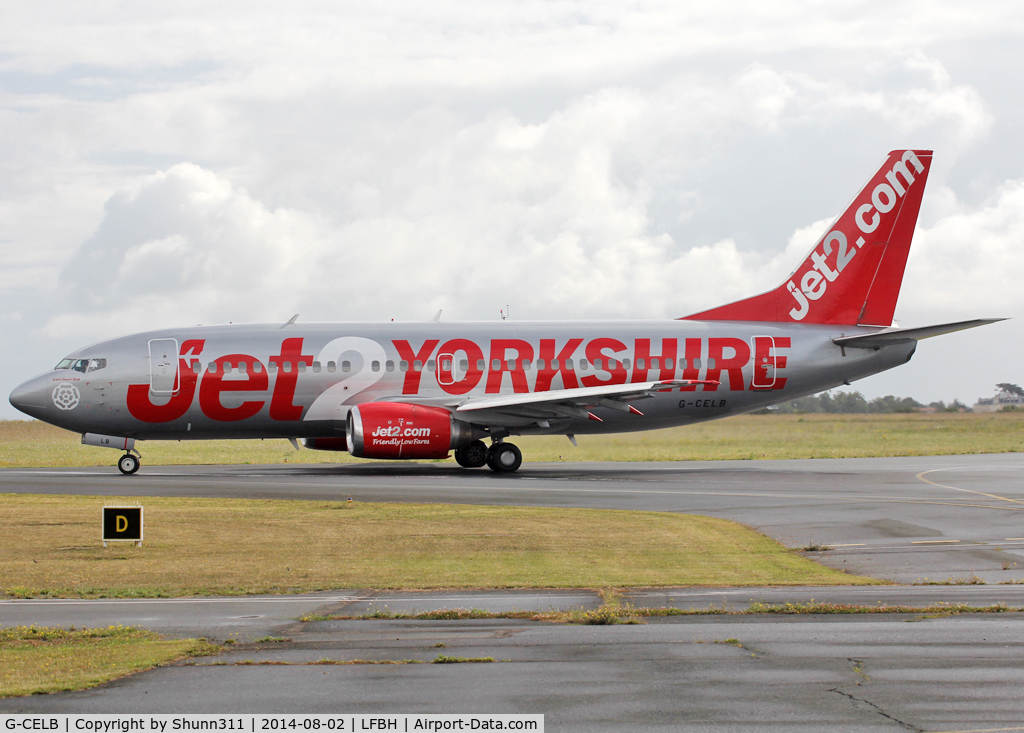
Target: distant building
{"type": "Point", "coordinates": [1001, 400]}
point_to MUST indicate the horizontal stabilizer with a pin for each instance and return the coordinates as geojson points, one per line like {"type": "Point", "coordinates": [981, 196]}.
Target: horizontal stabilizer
{"type": "Point", "coordinates": [890, 336]}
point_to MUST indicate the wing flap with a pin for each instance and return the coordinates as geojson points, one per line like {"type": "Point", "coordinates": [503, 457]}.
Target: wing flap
{"type": "Point", "coordinates": [615, 396]}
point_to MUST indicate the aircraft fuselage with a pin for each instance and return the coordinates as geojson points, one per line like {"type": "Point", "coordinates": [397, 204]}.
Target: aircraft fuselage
{"type": "Point", "coordinates": [269, 381]}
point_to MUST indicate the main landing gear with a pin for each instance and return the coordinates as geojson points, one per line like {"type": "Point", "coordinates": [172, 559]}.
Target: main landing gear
{"type": "Point", "coordinates": [500, 457]}
{"type": "Point", "coordinates": [129, 463]}
{"type": "Point", "coordinates": [473, 455]}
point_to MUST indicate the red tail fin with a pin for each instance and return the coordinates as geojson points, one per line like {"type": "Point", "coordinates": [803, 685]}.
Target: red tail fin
{"type": "Point", "coordinates": [853, 274]}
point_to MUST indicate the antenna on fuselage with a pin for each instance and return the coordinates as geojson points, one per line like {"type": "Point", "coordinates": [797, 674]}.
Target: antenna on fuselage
{"type": "Point", "coordinates": [437, 317]}
{"type": "Point", "coordinates": [291, 321]}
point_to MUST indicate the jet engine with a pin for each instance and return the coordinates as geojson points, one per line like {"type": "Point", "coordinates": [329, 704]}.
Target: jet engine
{"type": "Point", "coordinates": [400, 430]}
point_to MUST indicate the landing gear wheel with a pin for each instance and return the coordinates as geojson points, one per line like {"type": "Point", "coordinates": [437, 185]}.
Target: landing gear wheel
{"type": "Point", "coordinates": [504, 458]}
{"type": "Point", "coordinates": [473, 455]}
{"type": "Point", "coordinates": [128, 464]}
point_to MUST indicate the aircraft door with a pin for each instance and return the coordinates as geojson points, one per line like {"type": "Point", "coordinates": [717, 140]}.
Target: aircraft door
{"type": "Point", "coordinates": [450, 370]}
{"type": "Point", "coordinates": [764, 362]}
{"type": "Point", "coordinates": [446, 369]}
{"type": "Point", "coordinates": [163, 366]}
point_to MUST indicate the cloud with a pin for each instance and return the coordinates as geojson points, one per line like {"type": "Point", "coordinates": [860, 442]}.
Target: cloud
{"type": "Point", "coordinates": [970, 261]}
{"type": "Point", "coordinates": [170, 165]}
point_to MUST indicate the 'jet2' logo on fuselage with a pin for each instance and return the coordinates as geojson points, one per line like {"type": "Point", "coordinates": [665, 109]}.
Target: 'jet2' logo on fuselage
{"type": "Point", "coordinates": [884, 198]}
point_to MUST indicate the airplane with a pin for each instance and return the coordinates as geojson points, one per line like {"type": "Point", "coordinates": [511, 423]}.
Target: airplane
{"type": "Point", "coordinates": [422, 390]}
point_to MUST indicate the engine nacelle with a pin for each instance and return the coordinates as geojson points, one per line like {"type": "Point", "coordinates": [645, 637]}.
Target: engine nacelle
{"type": "Point", "coordinates": [400, 430]}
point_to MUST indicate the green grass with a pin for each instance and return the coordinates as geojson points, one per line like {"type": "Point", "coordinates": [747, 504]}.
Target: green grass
{"type": "Point", "coordinates": [613, 614]}
{"type": "Point", "coordinates": [50, 547]}
{"type": "Point", "coordinates": [36, 660]}
{"type": "Point", "coordinates": [31, 443]}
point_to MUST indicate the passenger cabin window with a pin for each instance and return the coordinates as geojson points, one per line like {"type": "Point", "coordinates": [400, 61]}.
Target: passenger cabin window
{"type": "Point", "coordinates": [257, 366]}
{"type": "Point", "coordinates": [654, 364]}
{"type": "Point", "coordinates": [510, 364]}
{"type": "Point", "coordinates": [711, 363]}
{"type": "Point", "coordinates": [696, 363]}
{"type": "Point", "coordinates": [316, 367]}
{"type": "Point", "coordinates": [212, 367]}
{"type": "Point", "coordinates": [446, 364]}
{"type": "Point", "coordinates": [526, 363]}
{"type": "Point", "coordinates": [625, 363]}
{"type": "Point", "coordinates": [273, 367]}
{"type": "Point", "coordinates": [302, 366]}
{"type": "Point", "coordinates": [331, 366]}
{"type": "Point", "coordinates": [403, 365]}
{"type": "Point", "coordinates": [480, 365]}
{"type": "Point", "coordinates": [346, 366]}
{"type": "Point", "coordinates": [389, 365]}
{"type": "Point", "coordinates": [242, 366]}
{"type": "Point", "coordinates": [540, 364]}
{"type": "Point", "coordinates": [375, 366]}
{"type": "Point", "coordinates": [670, 363]}
{"type": "Point", "coordinates": [417, 365]}
{"type": "Point", "coordinates": [197, 367]}
{"type": "Point", "coordinates": [286, 367]}
{"type": "Point", "coordinates": [495, 364]}
{"type": "Point", "coordinates": [464, 365]}
{"type": "Point", "coordinates": [431, 365]}
{"type": "Point", "coordinates": [583, 365]}
{"type": "Point", "coordinates": [227, 367]}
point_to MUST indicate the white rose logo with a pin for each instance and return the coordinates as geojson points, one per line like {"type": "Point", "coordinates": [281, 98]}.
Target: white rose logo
{"type": "Point", "coordinates": [66, 396]}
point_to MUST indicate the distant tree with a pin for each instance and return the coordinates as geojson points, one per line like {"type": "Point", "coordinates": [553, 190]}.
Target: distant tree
{"type": "Point", "coordinates": [850, 403]}
{"type": "Point", "coordinates": [1011, 388]}
{"type": "Point", "coordinates": [890, 403]}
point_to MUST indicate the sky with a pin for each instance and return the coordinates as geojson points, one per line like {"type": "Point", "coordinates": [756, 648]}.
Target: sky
{"type": "Point", "coordinates": [173, 164]}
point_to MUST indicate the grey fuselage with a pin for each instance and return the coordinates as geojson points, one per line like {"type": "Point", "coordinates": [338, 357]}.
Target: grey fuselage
{"type": "Point", "coordinates": [300, 380]}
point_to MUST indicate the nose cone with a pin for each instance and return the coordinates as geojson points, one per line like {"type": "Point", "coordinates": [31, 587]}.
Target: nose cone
{"type": "Point", "coordinates": [30, 398]}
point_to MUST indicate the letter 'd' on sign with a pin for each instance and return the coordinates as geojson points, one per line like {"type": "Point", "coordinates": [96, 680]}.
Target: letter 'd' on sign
{"type": "Point", "coordinates": [122, 524]}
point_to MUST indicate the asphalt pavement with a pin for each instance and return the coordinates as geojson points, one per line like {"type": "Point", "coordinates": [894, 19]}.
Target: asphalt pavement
{"type": "Point", "coordinates": [953, 520]}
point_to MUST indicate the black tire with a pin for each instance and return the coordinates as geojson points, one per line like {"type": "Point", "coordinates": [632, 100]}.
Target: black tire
{"type": "Point", "coordinates": [473, 455]}
{"type": "Point", "coordinates": [504, 458]}
{"type": "Point", "coordinates": [128, 464]}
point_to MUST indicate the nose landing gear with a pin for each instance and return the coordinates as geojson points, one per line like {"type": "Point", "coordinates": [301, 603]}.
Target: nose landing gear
{"type": "Point", "coordinates": [129, 463]}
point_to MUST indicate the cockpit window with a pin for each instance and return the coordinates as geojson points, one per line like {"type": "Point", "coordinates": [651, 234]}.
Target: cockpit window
{"type": "Point", "coordinates": [82, 365]}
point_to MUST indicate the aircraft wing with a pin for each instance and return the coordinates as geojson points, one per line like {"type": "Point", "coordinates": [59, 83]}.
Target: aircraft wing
{"type": "Point", "coordinates": [540, 407]}
{"type": "Point", "coordinates": [890, 336]}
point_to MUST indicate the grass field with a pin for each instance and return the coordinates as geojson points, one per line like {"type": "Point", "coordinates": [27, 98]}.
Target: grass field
{"type": "Point", "coordinates": [36, 660]}
{"type": "Point", "coordinates": [50, 547]}
{"type": "Point", "coordinates": [32, 443]}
